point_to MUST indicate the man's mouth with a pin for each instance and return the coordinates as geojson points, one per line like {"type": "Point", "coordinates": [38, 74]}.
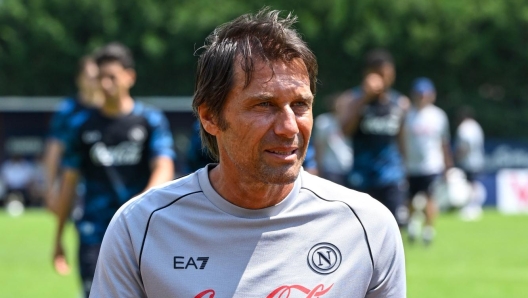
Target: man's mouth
{"type": "Point", "coordinates": [283, 152]}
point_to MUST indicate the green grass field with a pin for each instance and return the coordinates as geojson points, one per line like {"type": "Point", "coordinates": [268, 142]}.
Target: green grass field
{"type": "Point", "coordinates": [487, 258]}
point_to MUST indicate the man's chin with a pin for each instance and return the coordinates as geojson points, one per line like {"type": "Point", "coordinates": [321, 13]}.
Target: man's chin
{"type": "Point", "coordinates": [280, 176]}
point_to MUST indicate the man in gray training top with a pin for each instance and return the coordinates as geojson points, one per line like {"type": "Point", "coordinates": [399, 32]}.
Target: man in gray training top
{"type": "Point", "coordinates": [255, 224]}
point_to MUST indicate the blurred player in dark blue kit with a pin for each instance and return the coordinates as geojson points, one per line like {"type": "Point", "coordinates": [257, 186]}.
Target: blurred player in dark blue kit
{"type": "Point", "coordinates": [119, 151]}
{"type": "Point", "coordinates": [374, 119]}
{"type": "Point", "coordinates": [88, 97]}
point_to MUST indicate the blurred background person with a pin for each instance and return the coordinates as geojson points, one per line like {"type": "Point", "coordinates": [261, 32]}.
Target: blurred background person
{"type": "Point", "coordinates": [428, 154]}
{"type": "Point", "coordinates": [333, 152]}
{"type": "Point", "coordinates": [469, 156]}
{"type": "Point", "coordinates": [119, 151]}
{"type": "Point", "coordinates": [373, 118]}
{"type": "Point", "coordinates": [17, 175]}
{"type": "Point", "coordinates": [89, 96]}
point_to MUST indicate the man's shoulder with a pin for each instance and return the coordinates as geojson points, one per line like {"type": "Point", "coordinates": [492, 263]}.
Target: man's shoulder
{"type": "Point", "coordinates": [362, 205]}
{"type": "Point", "coordinates": [153, 115]}
{"type": "Point", "coordinates": [67, 105]}
{"type": "Point", "coordinates": [437, 110]}
{"type": "Point", "coordinates": [159, 197]}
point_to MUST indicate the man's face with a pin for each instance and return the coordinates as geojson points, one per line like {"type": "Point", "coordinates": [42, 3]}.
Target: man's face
{"type": "Point", "coordinates": [268, 123]}
{"type": "Point", "coordinates": [115, 79]}
{"type": "Point", "coordinates": [421, 99]}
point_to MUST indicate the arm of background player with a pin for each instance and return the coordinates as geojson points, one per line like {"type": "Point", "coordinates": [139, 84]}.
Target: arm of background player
{"type": "Point", "coordinates": [448, 157]}
{"type": "Point", "coordinates": [64, 203]}
{"type": "Point", "coordinates": [161, 146]}
{"type": "Point", "coordinates": [372, 87]}
{"type": "Point", "coordinates": [162, 171]}
{"type": "Point", "coordinates": [349, 118]}
{"type": "Point", "coordinates": [404, 103]}
{"type": "Point", "coordinates": [52, 156]}
{"type": "Point", "coordinates": [446, 146]}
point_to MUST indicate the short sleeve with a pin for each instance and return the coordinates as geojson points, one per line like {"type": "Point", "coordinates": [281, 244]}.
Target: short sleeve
{"type": "Point", "coordinates": [72, 140]}
{"type": "Point", "coordinates": [58, 128]}
{"type": "Point", "coordinates": [161, 142]}
{"type": "Point", "coordinates": [117, 273]}
{"type": "Point", "coordinates": [389, 279]}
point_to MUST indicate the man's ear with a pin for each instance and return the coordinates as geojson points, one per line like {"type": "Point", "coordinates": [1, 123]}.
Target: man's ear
{"type": "Point", "coordinates": [208, 120]}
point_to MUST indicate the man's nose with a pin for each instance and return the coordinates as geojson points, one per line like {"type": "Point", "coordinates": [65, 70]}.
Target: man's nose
{"type": "Point", "coordinates": [286, 123]}
{"type": "Point", "coordinates": [106, 83]}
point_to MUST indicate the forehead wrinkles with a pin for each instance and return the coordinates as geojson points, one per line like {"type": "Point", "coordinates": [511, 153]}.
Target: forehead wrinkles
{"type": "Point", "coordinates": [264, 71]}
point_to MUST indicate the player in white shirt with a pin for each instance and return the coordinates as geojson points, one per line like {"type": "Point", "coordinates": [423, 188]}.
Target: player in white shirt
{"type": "Point", "coordinates": [333, 151]}
{"type": "Point", "coordinates": [255, 224]}
{"type": "Point", "coordinates": [427, 151]}
{"type": "Point", "coordinates": [469, 156]}
{"type": "Point", "coordinates": [469, 144]}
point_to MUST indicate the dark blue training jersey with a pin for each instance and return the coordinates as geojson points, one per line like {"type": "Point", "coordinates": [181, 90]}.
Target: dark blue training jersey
{"type": "Point", "coordinates": [377, 159]}
{"type": "Point", "coordinates": [65, 117]}
{"type": "Point", "coordinates": [113, 156]}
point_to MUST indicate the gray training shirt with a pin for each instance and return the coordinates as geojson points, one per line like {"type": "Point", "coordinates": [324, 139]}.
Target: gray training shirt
{"type": "Point", "coordinates": [183, 239]}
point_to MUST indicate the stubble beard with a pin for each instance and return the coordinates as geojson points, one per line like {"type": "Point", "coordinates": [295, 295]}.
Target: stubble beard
{"type": "Point", "coordinates": [280, 175]}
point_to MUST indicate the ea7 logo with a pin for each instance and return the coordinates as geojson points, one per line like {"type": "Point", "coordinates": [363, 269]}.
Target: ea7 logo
{"type": "Point", "coordinates": [184, 263]}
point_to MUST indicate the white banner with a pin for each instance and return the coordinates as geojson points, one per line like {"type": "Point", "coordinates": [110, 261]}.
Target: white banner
{"type": "Point", "coordinates": [512, 190]}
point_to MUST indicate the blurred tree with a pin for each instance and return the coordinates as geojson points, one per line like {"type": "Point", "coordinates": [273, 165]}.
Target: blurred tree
{"type": "Point", "coordinates": [474, 50]}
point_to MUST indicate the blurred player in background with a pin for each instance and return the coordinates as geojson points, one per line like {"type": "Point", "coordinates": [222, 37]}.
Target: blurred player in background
{"type": "Point", "coordinates": [332, 149]}
{"type": "Point", "coordinates": [373, 117]}
{"type": "Point", "coordinates": [427, 155]}
{"type": "Point", "coordinates": [469, 156]}
{"type": "Point", "coordinates": [89, 96]}
{"type": "Point", "coordinates": [119, 151]}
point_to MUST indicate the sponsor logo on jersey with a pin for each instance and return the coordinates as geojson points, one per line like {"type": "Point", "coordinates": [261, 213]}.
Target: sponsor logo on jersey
{"type": "Point", "coordinates": [282, 292]}
{"type": "Point", "coordinates": [324, 258]}
{"type": "Point", "coordinates": [381, 125]}
{"type": "Point", "coordinates": [137, 133]}
{"type": "Point", "coordinates": [181, 262]}
{"type": "Point", "coordinates": [91, 136]}
{"type": "Point", "coordinates": [286, 291]}
{"type": "Point", "coordinates": [123, 154]}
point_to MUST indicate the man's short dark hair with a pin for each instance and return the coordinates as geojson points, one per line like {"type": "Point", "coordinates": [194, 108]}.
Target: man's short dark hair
{"type": "Point", "coordinates": [249, 38]}
{"type": "Point", "coordinates": [114, 52]}
{"type": "Point", "coordinates": [378, 57]}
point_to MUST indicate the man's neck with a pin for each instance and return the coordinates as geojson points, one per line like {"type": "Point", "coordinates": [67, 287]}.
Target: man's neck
{"type": "Point", "coordinates": [244, 193]}
{"type": "Point", "coordinates": [115, 107]}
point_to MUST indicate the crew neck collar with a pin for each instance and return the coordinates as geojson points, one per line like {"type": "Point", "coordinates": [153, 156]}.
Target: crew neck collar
{"type": "Point", "coordinates": [230, 208]}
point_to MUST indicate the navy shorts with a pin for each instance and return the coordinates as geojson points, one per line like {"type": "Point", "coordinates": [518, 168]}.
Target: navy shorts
{"type": "Point", "coordinates": [393, 197]}
{"type": "Point", "coordinates": [422, 183]}
{"type": "Point", "coordinates": [470, 176]}
{"type": "Point", "coordinates": [88, 255]}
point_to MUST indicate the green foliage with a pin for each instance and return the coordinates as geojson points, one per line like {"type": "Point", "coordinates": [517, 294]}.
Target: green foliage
{"type": "Point", "coordinates": [474, 50]}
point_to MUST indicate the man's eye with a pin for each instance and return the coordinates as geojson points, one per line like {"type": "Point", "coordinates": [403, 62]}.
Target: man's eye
{"type": "Point", "coordinates": [264, 104]}
{"type": "Point", "coordinates": [300, 104]}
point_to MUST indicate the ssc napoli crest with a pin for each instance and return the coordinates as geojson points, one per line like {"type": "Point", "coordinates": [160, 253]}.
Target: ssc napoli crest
{"type": "Point", "coordinates": [324, 258]}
